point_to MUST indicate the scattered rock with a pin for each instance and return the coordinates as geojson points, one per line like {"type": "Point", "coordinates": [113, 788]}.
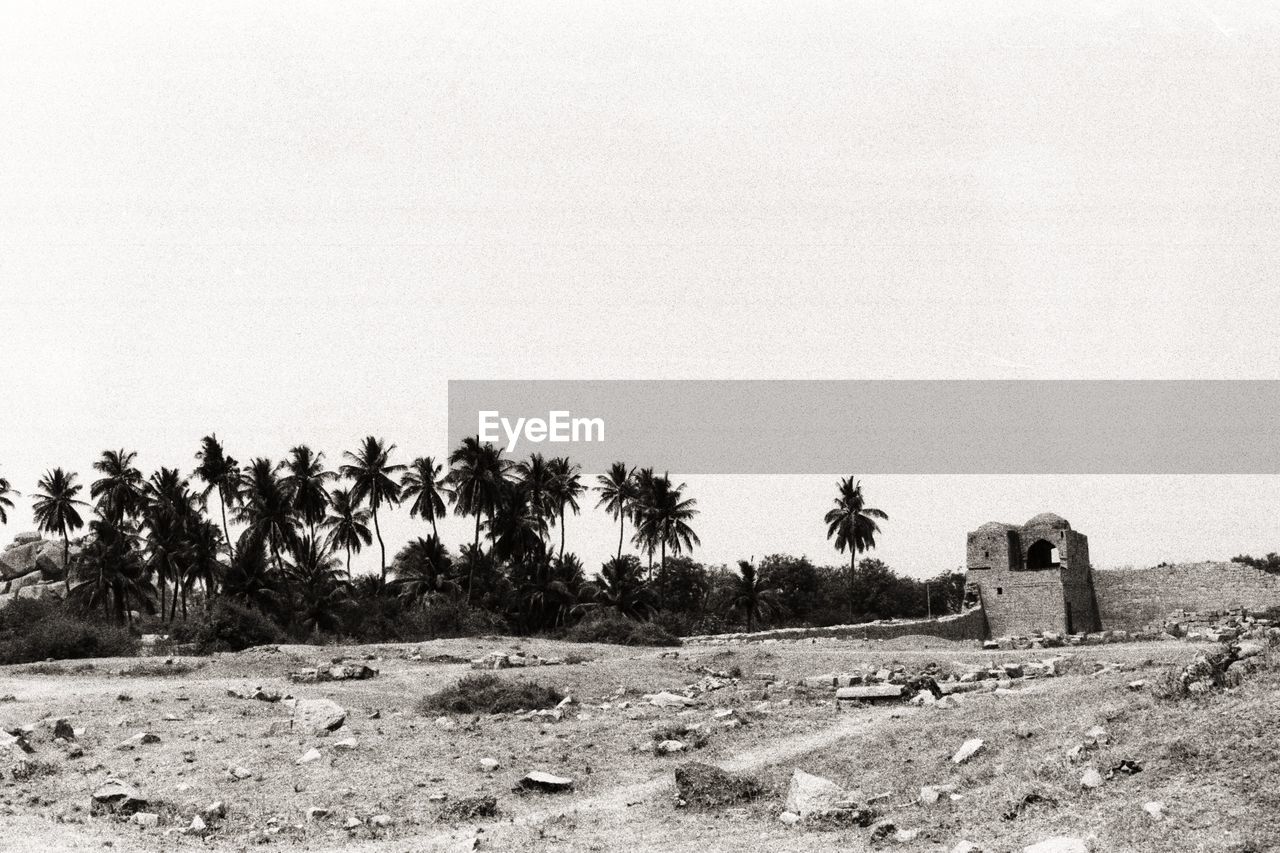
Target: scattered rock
{"type": "Point", "coordinates": [808, 794]}
{"type": "Point", "coordinates": [116, 797]}
{"type": "Point", "coordinates": [668, 747]}
{"type": "Point", "coordinates": [380, 821]}
{"type": "Point", "coordinates": [546, 782]}
{"type": "Point", "coordinates": [489, 765]}
{"type": "Point", "coordinates": [347, 744]}
{"type": "Point", "coordinates": [789, 818]}
{"type": "Point", "coordinates": [1091, 779]}
{"type": "Point", "coordinates": [871, 693]}
{"type": "Point", "coordinates": [470, 808]}
{"type": "Point", "coordinates": [237, 773]}
{"type": "Point", "coordinates": [932, 794]}
{"type": "Point", "coordinates": [352, 823]}
{"type": "Point", "coordinates": [146, 820]}
{"type": "Point", "coordinates": [670, 700]}
{"type": "Point", "coordinates": [140, 739]}
{"type": "Point", "coordinates": [966, 847]}
{"type": "Point", "coordinates": [319, 715]}
{"type": "Point", "coordinates": [1154, 809]}
{"type": "Point", "coordinates": [197, 827]}
{"type": "Point", "coordinates": [967, 750]}
{"type": "Point", "coordinates": [316, 813]}
{"type": "Point", "coordinates": [707, 787]}
{"type": "Point", "coordinates": [311, 755]}
{"type": "Point", "coordinates": [62, 728]}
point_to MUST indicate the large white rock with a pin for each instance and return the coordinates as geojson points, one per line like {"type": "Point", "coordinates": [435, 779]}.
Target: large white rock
{"type": "Point", "coordinates": [967, 750]}
{"type": "Point", "coordinates": [318, 715]}
{"type": "Point", "coordinates": [809, 794]}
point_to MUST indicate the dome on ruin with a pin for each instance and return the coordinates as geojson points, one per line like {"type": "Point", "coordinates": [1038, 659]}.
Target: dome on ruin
{"type": "Point", "coordinates": [1049, 519]}
{"type": "Point", "coordinates": [996, 525]}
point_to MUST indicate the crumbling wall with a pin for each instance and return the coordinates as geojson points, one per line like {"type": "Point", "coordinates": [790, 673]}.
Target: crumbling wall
{"type": "Point", "coordinates": [970, 625]}
{"type": "Point", "coordinates": [1131, 599]}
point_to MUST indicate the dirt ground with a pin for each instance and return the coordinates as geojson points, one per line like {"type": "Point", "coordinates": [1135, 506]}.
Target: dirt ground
{"type": "Point", "coordinates": [1209, 761]}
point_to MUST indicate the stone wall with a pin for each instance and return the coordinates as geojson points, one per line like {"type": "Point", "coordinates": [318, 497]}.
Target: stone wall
{"type": "Point", "coordinates": [1131, 599]}
{"type": "Point", "coordinates": [970, 625]}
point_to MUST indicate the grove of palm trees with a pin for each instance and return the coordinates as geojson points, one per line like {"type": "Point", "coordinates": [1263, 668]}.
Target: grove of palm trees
{"type": "Point", "coordinates": [157, 552]}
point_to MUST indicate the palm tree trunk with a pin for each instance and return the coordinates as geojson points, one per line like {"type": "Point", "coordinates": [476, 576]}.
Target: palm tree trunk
{"type": "Point", "coordinates": [475, 552]}
{"type": "Point", "coordinates": [66, 560]}
{"type": "Point", "coordinates": [562, 533]}
{"type": "Point", "coordinates": [348, 562]}
{"type": "Point", "coordinates": [622, 529]}
{"type": "Point", "coordinates": [381, 545]}
{"type": "Point", "coordinates": [434, 532]}
{"type": "Point", "coordinates": [163, 597]}
{"type": "Point", "coordinates": [853, 568]}
{"type": "Point", "coordinates": [226, 531]}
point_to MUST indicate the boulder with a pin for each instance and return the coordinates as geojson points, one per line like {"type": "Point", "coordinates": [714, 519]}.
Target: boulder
{"type": "Point", "coordinates": [670, 700]}
{"type": "Point", "coordinates": [488, 765]}
{"type": "Point", "coordinates": [967, 750]}
{"type": "Point", "coordinates": [871, 693]}
{"type": "Point", "coordinates": [319, 715]}
{"type": "Point", "coordinates": [116, 797]}
{"type": "Point", "coordinates": [808, 794]}
{"type": "Point", "coordinates": [62, 728]}
{"type": "Point", "coordinates": [146, 820]}
{"type": "Point", "coordinates": [545, 782]}
{"type": "Point", "coordinates": [310, 756]}
{"type": "Point", "coordinates": [707, 787]}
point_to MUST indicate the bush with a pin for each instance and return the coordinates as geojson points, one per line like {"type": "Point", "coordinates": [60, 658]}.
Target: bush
{"type": "Point", "coordinates": [617, 629]}
{"type": "Point", "coordinates": [33, 631]}
{"type": "Point", "coordinates": [229, 627]}
{"type": "Point", "coordinates": [489, 694]}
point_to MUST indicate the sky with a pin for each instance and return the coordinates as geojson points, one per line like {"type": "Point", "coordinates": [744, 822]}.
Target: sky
{"type": "Point", "coordinates": [295, 222]}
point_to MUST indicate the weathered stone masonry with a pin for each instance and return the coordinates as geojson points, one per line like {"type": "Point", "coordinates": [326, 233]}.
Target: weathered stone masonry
{"type": "Point", "coordinates": [1036, 577]}
{"type": "Point", "coordinates": [1133, 599]}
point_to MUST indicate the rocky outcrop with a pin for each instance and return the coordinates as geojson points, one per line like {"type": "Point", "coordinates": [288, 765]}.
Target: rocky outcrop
{"type": "Point", "coordinates": [32, 567]}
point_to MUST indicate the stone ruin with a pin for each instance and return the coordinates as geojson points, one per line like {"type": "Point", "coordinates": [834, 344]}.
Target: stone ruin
{"type": "Point", "coordinates": [32, 567]}
{"type": "Point", "coordinates": [1033, 578]}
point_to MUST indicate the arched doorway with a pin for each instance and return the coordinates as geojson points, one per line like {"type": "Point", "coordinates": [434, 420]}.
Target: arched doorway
{"type": "Point", "coordinates": [1042, 555]}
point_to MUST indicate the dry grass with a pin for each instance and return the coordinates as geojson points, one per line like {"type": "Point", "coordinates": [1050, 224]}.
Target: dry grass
{"type": "Point", "coordinates": [490, 694]}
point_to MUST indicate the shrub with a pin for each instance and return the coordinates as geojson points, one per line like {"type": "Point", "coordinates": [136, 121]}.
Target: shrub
{"type": "Point", "coordinates": [489, 694]}
{"type": "Point", "coordinates": [229, 627]}
{"type": "Point", "coordinates": [619, 630]}
{"type": "Point", "coordinates": [41, 630]}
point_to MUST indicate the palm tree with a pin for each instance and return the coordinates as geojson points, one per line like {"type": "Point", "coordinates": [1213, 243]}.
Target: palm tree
{"type": "Point", "coordinates": [55, 511]}
{"type": "Point", "coordinates": [249, 578]}
{"type": "Point", "coordinates": [641, 502]}
{"type": "Point", "coordinates": [751, 596]}
{"type": "Point", "coordinates": [204, 541]}
{"type": "Point", "coordinates": [111, 574]}
{"type": "Point", "coordinates": [320, 591]}
{"type": "Point", "coordinates": [305, 482]}
{"type": "Point", "coordinates": [119, 490]}
{"type": "Point", "coordinates": [222, 473]}
{"type": "Point", "coordinates": [266, 508]}
{"type": "Point", "coordinates": [853, 524]}
{"type": "Point", "coordinates": [476, 474]}
{"type": "Point", "coordinates": [566, 488]}
{"type": "Point", "coordinates": [664, 518]}
{"type": "Point", "coordinates": [422, 568]}
{"type": "Point", "coordinates": [5, 503]}
{"type": "Point", "coordinates": [168, 514]}
{"type": "Point", "coordinates": [617, 488]}
{"type": "Point", "coordinates": [537, 481]}
{"type": "Point", "coordinates": [370, 473]}
{"type": "Point", "coordinates": [622, 588]}
{"type": "Point", "coordinates": [348, 524]}
{"type": "Point", "coordinates": [421, 487]}
{"type": "Point", "coordinates": [517, 528]}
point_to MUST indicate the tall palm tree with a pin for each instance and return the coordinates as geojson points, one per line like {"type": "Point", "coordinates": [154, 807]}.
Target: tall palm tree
{"type": "Point", "coordinates": [566, 488]}
{"type": "Point", "coordinates": [219, 472]}
{"type": "Point", "coordinates": [752, 596]}
{"type": "Point", "coordinates": [665, 517]}
{"type": "Point", "coordinates": [119, 490]}
{"type": "Point", "coordinates": [249, 578]}
{"type": "Point", "coordinates": [641, 503]}
{"type": "Point", "coordinates": [517, 528]}
{"type": "Point", "coordinates": [305, 480]}
{"type": "Point", "coordinates": [370, 471]}
{"type": "Point", "coordinates": [168, 514]}
{"type": "Point", "coordinates": [422, 487]}
{"type": "Point", "coordinates": [348, 524]}
{"type": "Point", "coordinates": [5, 503]}
{"type": "Point", "coordinates": [617, 488]}
{"type": "Point", "coordinates": [204, 541]}
{"type": "Point", "coordinates": [537, 481]}
{"type": "Point", "coordinates": [853, 524]}
{"type": "Point", "coordinates": [476, 475]}
{"type": "Point", "coordinates": [55, 511]}
{"type": "Point", "coordinates": [266, 508]}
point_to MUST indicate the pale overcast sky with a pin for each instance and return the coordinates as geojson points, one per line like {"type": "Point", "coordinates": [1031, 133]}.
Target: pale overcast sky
{"type": "Point", "coordinates": [294, 222]}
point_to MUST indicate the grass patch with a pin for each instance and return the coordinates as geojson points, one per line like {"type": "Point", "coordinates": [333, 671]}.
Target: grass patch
{"type": "Point", "coordinates": [52, 668]}
{"type": "Point", "coordinates": [621, 631]}
{"type": "Point", "coordinates": [489, 694]}
{"type": "Point", "coordinates": [151, 669]}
